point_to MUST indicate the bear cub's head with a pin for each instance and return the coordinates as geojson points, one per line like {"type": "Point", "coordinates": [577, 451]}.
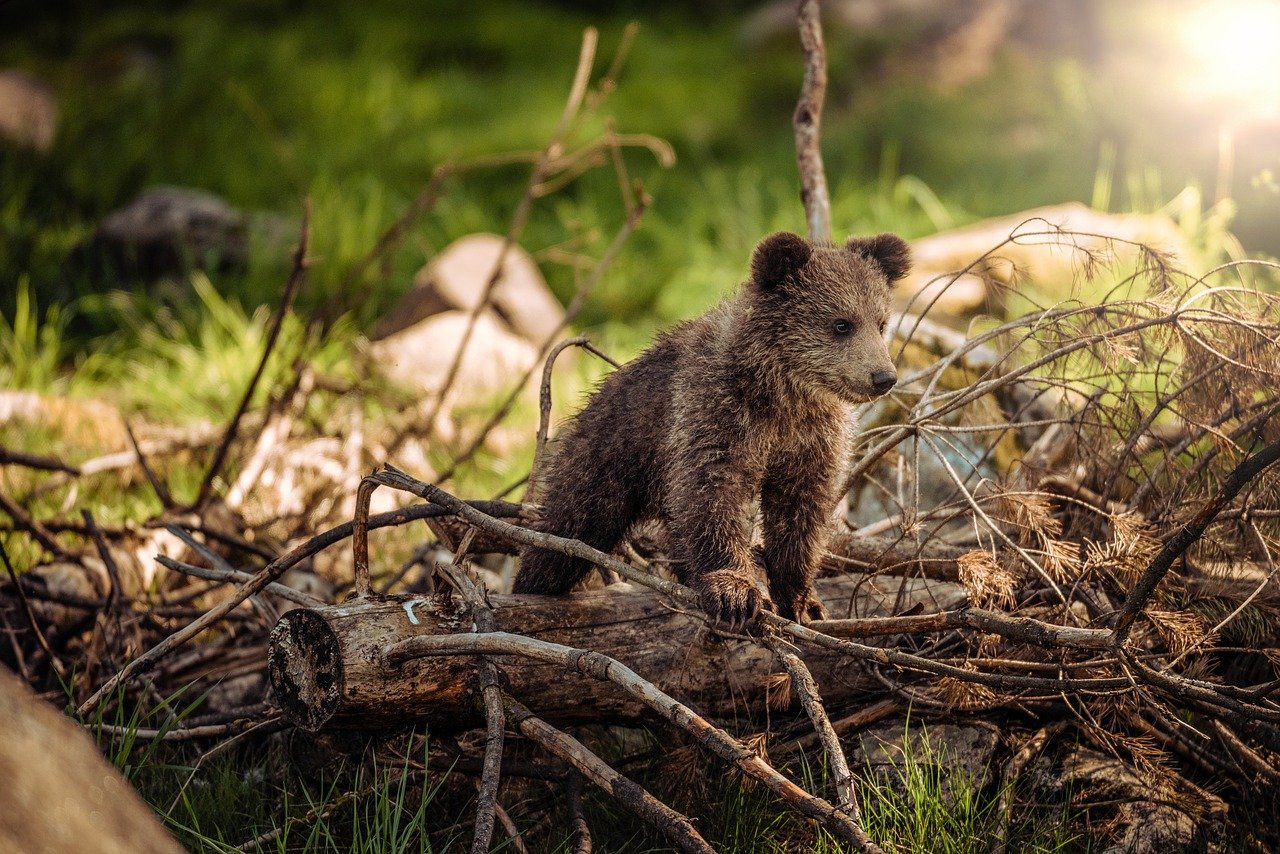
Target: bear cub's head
{"type": "Point", "coordinates": [826, 308]}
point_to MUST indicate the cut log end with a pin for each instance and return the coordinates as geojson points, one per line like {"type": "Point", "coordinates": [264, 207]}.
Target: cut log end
{"type": "Point", "coordinates": [306, 668]}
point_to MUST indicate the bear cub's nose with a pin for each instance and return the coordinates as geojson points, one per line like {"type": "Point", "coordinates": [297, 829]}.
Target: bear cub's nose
{"type": "Point", "coordinates": [882, 381]}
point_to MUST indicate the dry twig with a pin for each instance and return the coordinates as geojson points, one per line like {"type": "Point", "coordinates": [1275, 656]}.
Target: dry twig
{"type": "Point", "coordinates": [296, 277]}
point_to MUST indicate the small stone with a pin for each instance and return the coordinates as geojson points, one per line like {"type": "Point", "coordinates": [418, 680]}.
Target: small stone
{"type": "Point", "coordinates": [28, 110]}
{"type": "Point", "coordinates": [165, 231]}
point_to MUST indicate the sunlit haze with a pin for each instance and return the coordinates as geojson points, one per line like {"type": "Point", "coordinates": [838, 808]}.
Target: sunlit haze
{"type": "Point", "coordinates": [1235, 48]}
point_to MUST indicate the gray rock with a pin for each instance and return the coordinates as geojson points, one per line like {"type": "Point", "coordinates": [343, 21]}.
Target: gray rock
{"type": "Point", "coordinates": [958, 756]}
{"type": "Point", "coordinates": [168, 231]}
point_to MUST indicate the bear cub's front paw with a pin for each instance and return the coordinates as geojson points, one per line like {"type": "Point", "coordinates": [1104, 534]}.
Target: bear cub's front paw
{"type": "Point", "coordinates": [804, 608]}
{"type": "Point", "coordinates": [731, 596]}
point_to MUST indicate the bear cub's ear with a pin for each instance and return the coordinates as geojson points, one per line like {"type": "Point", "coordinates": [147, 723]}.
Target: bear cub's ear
{"type": "Point", "coordinates": [778, 256]}
{"type": "Point", "coordinates": [888, 250]}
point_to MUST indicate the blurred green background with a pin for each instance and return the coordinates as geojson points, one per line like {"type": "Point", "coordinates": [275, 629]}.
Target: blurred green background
{"type": "Point", "coordinates": [938, 114]}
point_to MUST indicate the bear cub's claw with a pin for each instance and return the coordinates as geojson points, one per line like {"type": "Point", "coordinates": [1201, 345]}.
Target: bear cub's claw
{"type": "Point", "coordinates": [804, 609]}
{"type": "Point", "coordinates": [731, 597]}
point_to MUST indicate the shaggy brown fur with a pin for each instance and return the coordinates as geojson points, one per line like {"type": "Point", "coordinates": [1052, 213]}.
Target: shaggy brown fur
{"type": "Point", "coordinates": [750, 401]}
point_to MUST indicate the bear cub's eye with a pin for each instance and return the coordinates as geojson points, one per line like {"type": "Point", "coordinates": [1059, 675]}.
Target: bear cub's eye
{"type": "Point", "coordinates": [842, 327]}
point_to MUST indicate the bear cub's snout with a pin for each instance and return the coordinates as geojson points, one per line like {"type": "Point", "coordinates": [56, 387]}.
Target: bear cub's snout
{"type": "Point", "coordinates": [883, 381]}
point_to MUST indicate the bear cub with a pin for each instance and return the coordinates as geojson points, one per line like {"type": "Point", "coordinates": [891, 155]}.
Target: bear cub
{"type": "Point", "coordinates": [749, 402]}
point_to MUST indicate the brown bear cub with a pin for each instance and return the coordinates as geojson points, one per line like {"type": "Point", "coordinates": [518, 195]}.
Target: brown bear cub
{"type": "Point", "coordinates": [751, 401]}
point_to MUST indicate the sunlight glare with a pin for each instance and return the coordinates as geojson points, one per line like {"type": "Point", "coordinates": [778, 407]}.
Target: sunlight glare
{"type": "Point", "coordinates": [1234, 49]}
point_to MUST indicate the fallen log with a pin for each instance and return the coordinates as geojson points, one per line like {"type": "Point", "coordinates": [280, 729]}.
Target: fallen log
{"type": "Point", "coordinates": [329, 670]}
{"type": "Point", "coordinates": [883, 553]}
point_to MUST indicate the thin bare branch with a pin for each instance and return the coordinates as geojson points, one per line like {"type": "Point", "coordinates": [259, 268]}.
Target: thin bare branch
{"type": "Point", "coordinates": [678, 830]}
{"type": "Point", "coordinates": [292, 285]}
{"type": "Point", "coordinates": [35, 461]}
{"type": "Point", "coordinates": [807, 121]}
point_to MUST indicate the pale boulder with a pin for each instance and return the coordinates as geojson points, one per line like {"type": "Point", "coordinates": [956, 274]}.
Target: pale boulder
{"type": "Point", "coordinates": [60, 794]}
{"type": "Point", "coordinates": [1051, 247]}
{"type": "Point", "coordinates": [28, 110]}
{"type": "Point", "coordinates": [457, 279]}
{"type": "Point", "coordinates": [419, 357]}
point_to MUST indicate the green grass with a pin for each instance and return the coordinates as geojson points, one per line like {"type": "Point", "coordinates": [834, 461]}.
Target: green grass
{"type": "Point", "coordinates": [926, 803]}
{"type": "Point", "coordinates": [267, 105]}
{"type": "Point", "coordinates": [923, 804]}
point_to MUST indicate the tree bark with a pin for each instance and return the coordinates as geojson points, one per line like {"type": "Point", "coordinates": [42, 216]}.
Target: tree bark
{"type": "Point", "coordinates": [328, 670]}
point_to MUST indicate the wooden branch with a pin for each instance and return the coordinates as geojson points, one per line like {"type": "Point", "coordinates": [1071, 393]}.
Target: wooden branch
{"type": "Point", "coordinates": [807, 122]}
{"type": "Point", "coordinates": [360, 536]}
{"type": "Point", "coordinates": [491, 776]}
{"type": "Point", "coordinates": [487, 678]}
{"type": "Point", "coordinates": [578, 818]}
{"type": "Point", "coordinates": [1174, 547]}
{"type": "Point", "coordinates": [158, 486]}
{"type": "Point", "coordinates": [513, 833]}
{"type": "Point", "coordinates": [686, 597]}
{"type": "Point", "coordinates": [220, 570]}
{"type": "Point", "coordinates": [678, 830]}
{"type": "Point", "coordinates": [194, 733]}
{"type": "Point", "coordinates": [108, 560]}
{"type": "Point", "coordinates": [907, 661]}
{"type": "Point", "coordinates": [264, 576]}
{"type": "Point", "coordinates": [33, 527]}
{"type": "Point", "coordinates": [575, 305]}
{"type": "Point", "coordinates": [864, 717]}
{"type": "Point", "coordinates": [552, 149]}
{"type": "Point", "coordinates": [1184, 688]}
{"type": "Point", "coordinates": [544, 413]}
{"type": "Point", "coordinates": [1255, 763]}
{"type": "Point", "coordinates": [846, 788]}
{"type": "Point", "coordinates": [291, 287]}
{"type": "Point", "coordinates": [235, 576]}
{"type": "Point", "coordinates": [34, 461]}
{"type": "Point", "coordinates": [979, 619]}
{"type": "Point", "coordinates": [893, 555]}
{"type": "Point", "coordinates": [36, 630]}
